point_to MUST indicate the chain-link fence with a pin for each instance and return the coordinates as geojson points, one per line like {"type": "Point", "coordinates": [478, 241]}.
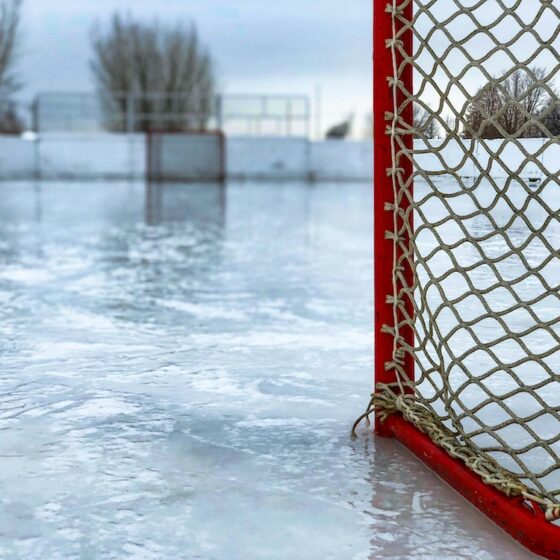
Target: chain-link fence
{"type": "Point", "coordinates": [244, 115]}
{"type": "Point", "coordinates": [265, 115]}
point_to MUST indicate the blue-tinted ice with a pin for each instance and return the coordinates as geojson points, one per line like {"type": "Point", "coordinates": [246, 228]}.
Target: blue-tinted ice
{"type": "Point", "coordinates": [180, 369]}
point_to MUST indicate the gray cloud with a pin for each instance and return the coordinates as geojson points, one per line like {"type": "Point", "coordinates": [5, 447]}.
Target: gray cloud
{"type": "Point", "coordinates": [259, 45]}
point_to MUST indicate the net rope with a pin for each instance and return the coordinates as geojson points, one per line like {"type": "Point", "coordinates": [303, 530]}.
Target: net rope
{"type": "Point", "coordinates": [480, 235]}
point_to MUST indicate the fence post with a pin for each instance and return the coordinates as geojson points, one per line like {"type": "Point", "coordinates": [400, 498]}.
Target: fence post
{"type": "Point", "coordinates": [219, 112]}
{"type": "Point", "coordinates": [130, 116]}
{"type": "Point", "coordinates": [35, 120]}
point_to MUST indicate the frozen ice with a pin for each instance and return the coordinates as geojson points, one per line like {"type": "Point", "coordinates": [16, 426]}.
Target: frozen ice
{"type": "Point", "coordinates": [180, 371]}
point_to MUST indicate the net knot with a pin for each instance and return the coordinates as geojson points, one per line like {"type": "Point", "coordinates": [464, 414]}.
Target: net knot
{"type": "Point", "coordinates": [395, 82]}
{"type": "Point", "coordinates": [385, 403]}
{"type": "Point", "coordinates": [392, 236]}
{"type": "Point", "coordinates": [395, 10]}
{"type": "Point", "coordinates": [393, 43]}
{"type": "Point", "coordinates": [386, 329]}
{"type": "Point", "coordinates": [395, 300]}
{"type": "Point", "coordinates": [394, 171]}
{"type": "Point", "coordinates": [394, 364]}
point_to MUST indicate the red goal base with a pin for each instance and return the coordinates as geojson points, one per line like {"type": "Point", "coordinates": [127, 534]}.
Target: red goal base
{"type": "Point", "coordinates": [526, 525]}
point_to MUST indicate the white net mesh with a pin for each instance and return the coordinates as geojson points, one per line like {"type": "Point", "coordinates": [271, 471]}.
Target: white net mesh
{"type": "Point", "coordinates": [476, 136]}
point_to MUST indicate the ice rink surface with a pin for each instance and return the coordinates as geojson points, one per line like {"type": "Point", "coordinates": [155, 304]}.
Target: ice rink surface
{"type": "Point", "coordinates": [181, 366]}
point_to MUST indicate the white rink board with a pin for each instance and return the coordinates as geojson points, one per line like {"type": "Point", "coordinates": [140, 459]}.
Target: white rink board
{"type": "Point", "coordinates": [267, 158]}
{"type": "Point", "coordinates": [91, 156]}
{"type": "Point", "coordinates": [103, 155]}
{"type": "Point", "coordinates": [332, 160]}
{"type": "Point", "coordinates": [17, 158]}
{"type": "Point", "coordinates": [185, 156]}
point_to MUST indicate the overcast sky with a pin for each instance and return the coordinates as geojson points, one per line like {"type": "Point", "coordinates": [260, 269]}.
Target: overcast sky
{"type": "Point", "coordinates": [259, 45]}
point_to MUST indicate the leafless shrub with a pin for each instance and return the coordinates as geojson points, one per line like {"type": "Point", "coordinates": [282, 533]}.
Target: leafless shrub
{"type": "Point", "coordinates": [509, 107]}
{"type": "Point", "coordinates": [10, 18]}
{"type": "Point", "coordinates": [482, 113]}
{"type": "Point", "coordinates": [524, 98]}
{"type": "Point", "coordinates": [425, 123]}
{"type": "Point", "coordinates": [164, 72]}
{"type": "Point", "coordinates": [550, 116]}
{"type": "Point", "coordinates": [341, 130]}
{"type": "Point", "coordinates": [10, 122]}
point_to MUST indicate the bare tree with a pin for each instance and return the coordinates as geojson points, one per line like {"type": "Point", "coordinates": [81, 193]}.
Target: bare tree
{"type": "Point", "coordinates": [509, 107]}
{"type": "Point", "coordinates": [164, 71]}
{"type": "Point", "coordinates": [425, 123]}
{"type": "Point", "coordinates": [10, 18]}
{"type": "Point", "coordinates": [550, 116]}
{"type": "Point", "coordinates": [482, 113]}
{"type": "Point", "coordinates": [525, 96]}
{"type": "Point", "coordinates": [451, 125]}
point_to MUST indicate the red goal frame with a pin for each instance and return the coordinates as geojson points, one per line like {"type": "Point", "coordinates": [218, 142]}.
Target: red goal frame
{"type": "Point", "coordinates": [524, 521]}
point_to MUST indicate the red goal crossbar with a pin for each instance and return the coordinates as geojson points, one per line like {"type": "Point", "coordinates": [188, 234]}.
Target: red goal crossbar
{"type": "Point", "coordinates": [524, 521]}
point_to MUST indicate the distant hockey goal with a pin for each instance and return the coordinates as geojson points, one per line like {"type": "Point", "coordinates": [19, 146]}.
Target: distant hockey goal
{"type": "Point", "coordinates": [467, 250]}
{"type": "Point", "coordinates": [185, 156]}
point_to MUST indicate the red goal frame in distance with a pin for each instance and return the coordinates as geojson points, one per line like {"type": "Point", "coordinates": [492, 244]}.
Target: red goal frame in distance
{"type": "Point", "coordinates": [525, 522]}
{"type": "Point", "coordinates": [151, 134]}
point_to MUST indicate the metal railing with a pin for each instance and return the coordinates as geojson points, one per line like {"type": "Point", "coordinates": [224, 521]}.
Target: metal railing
{"type": "Point", "coordinates": [240, 114]}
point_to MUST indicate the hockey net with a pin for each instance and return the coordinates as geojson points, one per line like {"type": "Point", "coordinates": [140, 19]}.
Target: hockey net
{"type": "Point", "coordinates": [468, 328]}
{"type": "Point", "coordinates": [185, 156]}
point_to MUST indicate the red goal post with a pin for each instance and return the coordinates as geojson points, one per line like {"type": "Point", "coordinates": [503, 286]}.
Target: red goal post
{"type": "Point", "coordinates": [393, 21]}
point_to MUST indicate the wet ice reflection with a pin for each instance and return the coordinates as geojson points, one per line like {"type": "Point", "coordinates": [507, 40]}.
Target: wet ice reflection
{"type": "Point", "coordinates": [180, 369]}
